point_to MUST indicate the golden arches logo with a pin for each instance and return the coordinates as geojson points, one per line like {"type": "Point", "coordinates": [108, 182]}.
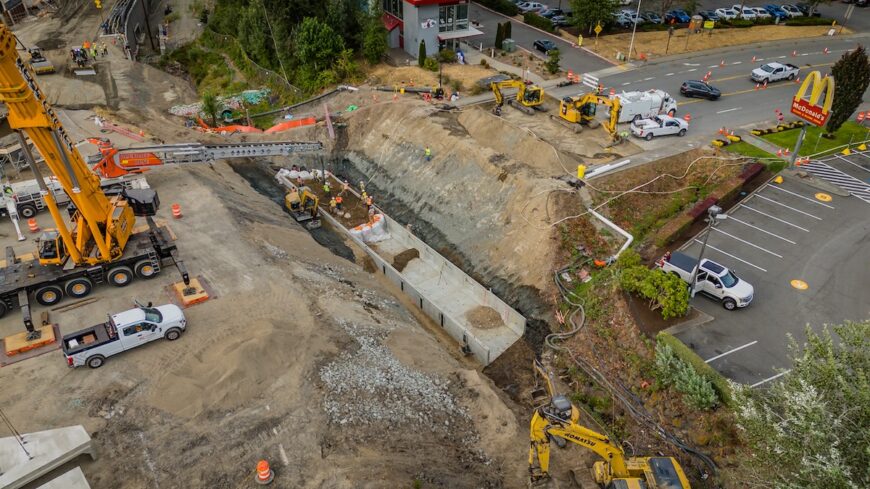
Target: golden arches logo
{"type": "Point", "coordinates": [809, 108]}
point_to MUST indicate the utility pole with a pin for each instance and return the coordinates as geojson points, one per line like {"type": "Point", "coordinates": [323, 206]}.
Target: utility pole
{"type": "Point", "coordinates": [714, 214]}
{"type": "Point", "coordinates": [633, 30]}
{"type": "Point", "coordinates": [148, 24]}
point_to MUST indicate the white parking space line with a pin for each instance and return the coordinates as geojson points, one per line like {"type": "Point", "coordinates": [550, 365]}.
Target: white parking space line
{"type": "Point", "coordinates": [747, 242]}
{"type": "Point", "coordinates": [729, 110]}
{"type": "Point", "coordinates": [732, 218]}
{"type": "Point", "coordinates": [730, 352]}
{"type": "Point", "coordinates": [788, 207]}
{"type": "Point", "coordinates": [814, 201]}
{"type": "Point", "coordinates": [769, 379]}
{"type": "Point", "coordinates": [852, 163]}
{"type": "Point", "coordinates": [730, 255]}
{"type": "Point", "coordinates": [744, 206]}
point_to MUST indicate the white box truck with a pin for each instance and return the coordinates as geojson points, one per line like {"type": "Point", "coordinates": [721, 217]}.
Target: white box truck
{"type": "Point", "coordinates": [644, 105]}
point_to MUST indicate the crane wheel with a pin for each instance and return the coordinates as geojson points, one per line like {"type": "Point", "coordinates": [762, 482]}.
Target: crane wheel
{"type": "Point", "coordinates": [120, 276]}
{"type": "Point", "coordinates": [78, 287]}
{"type": "Point", "coordinates": [145, 269]}
{"type": "Point", "coordinates": [49, 295]}
{"type": "Point", "coordinates": [27, 211]}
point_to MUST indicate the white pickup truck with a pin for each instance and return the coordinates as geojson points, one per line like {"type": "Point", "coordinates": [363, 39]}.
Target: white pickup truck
{"type": "Point", "coordinates": [772, 72]}
{"type": "Point", "coordinates": [123, 331]}
{"type": "Point", "coordinates": [714, 280]}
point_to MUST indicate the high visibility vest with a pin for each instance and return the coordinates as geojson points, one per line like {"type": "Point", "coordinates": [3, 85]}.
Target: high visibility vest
{"type": "Point", "coordinates": [338, 199]}
{"type": "Point", "coordinates": [369, 201]}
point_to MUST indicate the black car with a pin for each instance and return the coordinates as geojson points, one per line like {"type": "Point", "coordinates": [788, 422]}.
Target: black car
{"type": "Point", "coordinates": [862, 3]}
{"type": "Point", "coordinates": [805, 8]}
{"type": "Point", "coordinates": [709, 15]}
{"type": "Point", "coordinates": [544, 45]}
{"type": "Point", "coordinates": [695, 88]}
{"type": "Point", "coordinates": [552, 12]}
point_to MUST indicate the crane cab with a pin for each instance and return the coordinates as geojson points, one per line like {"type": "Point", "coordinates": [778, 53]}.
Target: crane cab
{"type": "Point", "coordinates": [50, 248]}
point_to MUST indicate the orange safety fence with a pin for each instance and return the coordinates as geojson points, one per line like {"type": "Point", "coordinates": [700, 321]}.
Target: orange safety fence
{"type": "Point", "coordinates": [283, 126]}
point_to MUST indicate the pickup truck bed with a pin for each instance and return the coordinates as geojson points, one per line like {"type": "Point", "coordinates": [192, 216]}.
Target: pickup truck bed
{"type": "Point", "coordinates": [88, 338]}
{"type": "Point", "coordinates": [683, 261]}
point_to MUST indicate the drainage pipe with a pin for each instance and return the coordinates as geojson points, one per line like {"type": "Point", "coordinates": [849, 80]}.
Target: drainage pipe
{"type": "Point", "coordinates": [628, 237]}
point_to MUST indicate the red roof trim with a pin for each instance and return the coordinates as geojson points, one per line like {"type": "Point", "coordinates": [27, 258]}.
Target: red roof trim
{"type": "Point", "coordinates": [390, 21]}
{"type": "Point", "coordinates": [418, 3]}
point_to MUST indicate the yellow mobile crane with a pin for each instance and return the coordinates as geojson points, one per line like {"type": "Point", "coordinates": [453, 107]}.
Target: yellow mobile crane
{"type": "Point", "coordinates": [99, 245]}
{"type": "Point", "coordinates": [528, 96]}
{"type": "Point", "coordinates": [559, 418]}
{"type": "Point", "coordinates": [577, 111]}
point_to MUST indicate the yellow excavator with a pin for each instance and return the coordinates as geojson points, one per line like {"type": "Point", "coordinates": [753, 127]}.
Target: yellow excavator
{"type": "Point", "coordinates": [578, 111]}
{"type": "Point", "coordinates": [529, 97]}
{"type": "Point", "coordinates": [302, 204]}
{"type": "Point", "coordinates": [559, 419]}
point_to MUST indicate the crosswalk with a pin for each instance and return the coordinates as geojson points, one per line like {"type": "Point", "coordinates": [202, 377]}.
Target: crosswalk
{"type": "Point", "coordinates": [847, 182]}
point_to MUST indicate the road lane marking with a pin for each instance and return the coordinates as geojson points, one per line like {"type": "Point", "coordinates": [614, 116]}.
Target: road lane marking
{"type": "Point", "coordinates": [747, 242]}
{"type": "Point", "coordinates": [769, 379]}
{"type": "Point", "coordinates": [774, 218]}
{"type": "Point", "coordinates": [737, 62]}
{"type": "Point", "coordinates": [814, 201]}
{"type": "Point", "coordinates": [759, 59]}
{"type": "Point", "coordinates": [788, 207]}
{"type": "Point", "coordinates": [730, 352]}
{"type": "Point", "coordinates": [669, 74]}
{"type": "Point", "coordinates": [626, 83]}
{"type": "Point", "coordinates": [730, 255]}
{"type": "Point", "coordinates": [713, 66]}
{"type": "Point", "coordinates": [691, 64]}
{"type": "Point", "coordinates": [780, 57]}
{"type": "Point", "coordinates": [648, 79]}
{"type": "Point", "coordinates": [693, 69]}
{"type": "Point", "coordinates": [729, 110]}
{"type": "Point", "coordinates": [732, 218]}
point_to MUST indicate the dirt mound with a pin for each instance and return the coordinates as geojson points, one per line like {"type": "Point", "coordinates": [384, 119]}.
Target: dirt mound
{"type": "Point", "coordinates": [484, 317]}
{"type": "Point", "coordinates": [227, 374]}
{"type": "Point", "coordinates": [401, 260]}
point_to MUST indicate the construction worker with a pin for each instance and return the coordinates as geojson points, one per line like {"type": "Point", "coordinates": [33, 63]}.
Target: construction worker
{"type": "Point", "coordinates": [428, 153]}
{"type": "Point", "coordinates": [299, 181]}
{"type": "Point", "coordinates": [104, 48]}
{"type": "Point", "coordinates": [332, 204]}
{"type": "Point", "coordinates": [338, 200]}
{"type": "Point", "coordinates": [362, 186]}
{"type": "Point", "coordinates": [364, 196]}
{"type": "Point", "coordinates": [370, 202]}
{"type": "Point", "coordinates": [326, 188]}
{"type": "Point", "coordinates": [344, 187]}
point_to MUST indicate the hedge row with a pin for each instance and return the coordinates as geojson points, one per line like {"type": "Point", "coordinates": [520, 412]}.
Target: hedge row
{"type": "Point", "coordinates": [684, 353]}
{"type": "Point", "coordinates": [810, 21]}
{"type": "Point", "coordinates": [674, 228]}
{"type": "Point", "coordinates": [536, 20]}
{"type": "Point", "coordinates": [725, 192]}
{"type": "Point", "coordinates": [504, 6]}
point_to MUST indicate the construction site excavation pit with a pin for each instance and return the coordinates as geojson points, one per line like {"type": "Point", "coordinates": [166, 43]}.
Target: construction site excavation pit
{"type": "Point", "coordinates": [482, 324]}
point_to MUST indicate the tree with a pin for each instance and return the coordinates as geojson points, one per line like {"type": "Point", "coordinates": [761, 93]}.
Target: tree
{"type": "Point", "coordinates": [421, 53]}
{"type": "Point", "coordinates": [553, 58]}
{"type": "Point", "coordinates": [810, 429]}
{"type": "Point", "coordinates": [588, 13]}
{"type": "Point", "coordinates": [499, 36]}
{"type": "Point", "coordinates": [664, 291]}
{"type": "Point", "coordinates": [345, 17]}
{"type": "Point", "coordinates": [852, 76]}
{"type": "Point", "coordinates": [317, 45]}
{"type": "Point", "coordinates": [253, 33]}
{"type": "Point", "coordinates": [375, 38]}
{"type": "Point", "coordinates": [507, 30]}
{"type": "Point", "coordinates": [210, 107]}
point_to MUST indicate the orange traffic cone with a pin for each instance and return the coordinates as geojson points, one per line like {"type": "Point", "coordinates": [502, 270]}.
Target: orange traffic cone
{"type": "Point", "coordinates": [786, 152]}
{"type": "Point", "coordinates": [779, 153]}
{"type": "Point", "coordinates": [722, 63]}
{"type": "Point", "coordinates": [756, 86]}
{"type": "Point", "coordinates": [612, 92]}
{"type": "Point", "coordinates": [826, 51]}
{"type": "Point", "coordinates": [176, 211]}
{"type": "Point", "coordinates": [793, 54]}
{"type": "Point", "coordinates": [753, 59]}
{"type": "Point", "coordinates": [31, 223]}
{"type": "Point", "coordinates": [264, 473]}
{"type": "Point", "coordinates": [764, 86]}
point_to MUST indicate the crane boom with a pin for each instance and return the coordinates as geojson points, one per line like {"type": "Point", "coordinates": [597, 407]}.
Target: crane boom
{"type": "Point", "coordinates": [101, 226]}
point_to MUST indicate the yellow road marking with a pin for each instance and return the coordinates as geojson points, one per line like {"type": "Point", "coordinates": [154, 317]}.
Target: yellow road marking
{"type": "Point", "coordinates": [824, 197]}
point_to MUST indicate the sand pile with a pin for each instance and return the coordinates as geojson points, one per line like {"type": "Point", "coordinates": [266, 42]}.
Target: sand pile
{"type": "Point", "coordinates": [228, 374]}
{"type": "Point", "coordinates": [484, 317]}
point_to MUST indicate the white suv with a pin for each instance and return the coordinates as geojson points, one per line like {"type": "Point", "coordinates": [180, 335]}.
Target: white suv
{"type": "Point", "coordinates": [726, 13]}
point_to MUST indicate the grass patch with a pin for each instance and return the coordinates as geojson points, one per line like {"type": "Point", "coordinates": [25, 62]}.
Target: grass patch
{"type": "Point", "coordinates": [686, 354]}
{"type": "Point", "coordinates": [816, 143]}
{"type": "Point", "coordinates": [774, 164]}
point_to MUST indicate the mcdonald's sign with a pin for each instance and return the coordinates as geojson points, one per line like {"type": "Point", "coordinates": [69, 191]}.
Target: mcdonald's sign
{"type": "Point", "coordinates": [809, 109]}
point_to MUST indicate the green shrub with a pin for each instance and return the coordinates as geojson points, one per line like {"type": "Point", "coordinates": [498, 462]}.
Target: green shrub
{"type": "Point", "coordinates": [670, 370]}
{"type": "Point", "coordinates": [810, 21]}
{"type": "Point", "coordinates": [456, 85]}
{"type": "Point", "coordinates": [484, 63]}
{"type": "Point", "coordinates": [553, 58]}
{"type": "Point", "coordinates": [504, 6]}
{"type": "Point", "coordinates": [447, 56]}
{"type": "Point", "coordinates": [507, 30]}
{"type": "Point", "coordinates": [687, 356]}
{"type": "Point", "coordinates": [664, 291]}
{"type": "Point", "coordinates": [536, 20]}
{"type": "Point", "coordinates": [421, 54]}
{"type": "Point", "coordinates": [652, 27]}
{"type": "Point", "coordinates": [739, 23]}
{"type": "Point", "coordinates": [499, 36]}
{"type": "Point", "coordinates": [430, 64]}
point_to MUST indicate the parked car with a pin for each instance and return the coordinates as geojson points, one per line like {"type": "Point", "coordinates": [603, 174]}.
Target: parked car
{"type": "Point", "coordinates": [772, 72]}
{"type": "Point", "coordinates": [544, 45]}
{"type": "Point", "coordinates": [748, 13]}
{"type": "Point", "coordinates": [811, 11]}
{"type": "Point", "coordinates": [858, 3]}
{"type": "Point", "coordinates": [551, 12]}
{"type": "Point", "coordinates": [633, 17]}
{"type": "Point", "coordinates": [709, 15]}
{"type": "Point", "coordinates": [652, 17]}
{"type": "Point", "coordinates": [761, 13]}
{"type": "Point", "coordinates": [792, 11]}
{"type": "Point", "coordinates": [726, 13]}
{"type": "Point", "coordinates": [659, 125]}
{"type": "Point", "coordinates": [679, 16]}
{"type": "Point", "coordinates": [713, 279]}
{"type": "Point", "coordinates": [695, 88]}
{"type": "Point", "coordinates": [776, 12]}
{"type": "Point", "coordinates": [534, 7]}
{"type": "Point", "coordinates": [622, 20]}
{"type": "Point", "coordinates": [560, 21]}
{"type": "Point", "coordinates": [625, 2]}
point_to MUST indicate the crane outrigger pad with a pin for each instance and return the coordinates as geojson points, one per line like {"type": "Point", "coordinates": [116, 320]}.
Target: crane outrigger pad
{"type": "Point", "coordinates": [188, 295]}
{"type": "Point", "coordinates": [18, 343]}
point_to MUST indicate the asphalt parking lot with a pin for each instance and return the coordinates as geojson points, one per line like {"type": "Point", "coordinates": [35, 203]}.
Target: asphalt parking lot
{"type": "Point", "coordinates": [807, 256]}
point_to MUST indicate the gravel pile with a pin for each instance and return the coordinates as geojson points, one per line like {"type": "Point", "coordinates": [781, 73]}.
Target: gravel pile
{"type": "Point", "coordinates": [371, 386]}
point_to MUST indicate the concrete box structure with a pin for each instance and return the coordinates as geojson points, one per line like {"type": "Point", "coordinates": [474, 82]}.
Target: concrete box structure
{"type": "Point", "coordinates": [437, 22]}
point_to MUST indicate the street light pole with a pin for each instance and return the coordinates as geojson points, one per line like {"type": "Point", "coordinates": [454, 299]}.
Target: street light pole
{"type": "Point", "coordinates": [713, 214]}
{"type": "Point", "coordinates": [633, 30]}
